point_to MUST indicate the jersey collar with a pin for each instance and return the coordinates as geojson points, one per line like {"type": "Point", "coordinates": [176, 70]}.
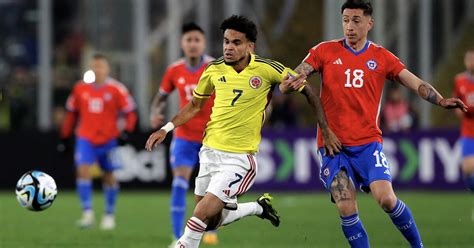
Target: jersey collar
{"type": "Point", "coordinates": [194, 68]}
{"type": "Point", "coordinates": [367, 43]}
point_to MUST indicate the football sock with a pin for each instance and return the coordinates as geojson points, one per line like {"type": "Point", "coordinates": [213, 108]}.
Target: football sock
{"type": "Point", "coordinates": [243, 209]}
{"type": "Point", "coordinates": [469, 181]}
{"type": "Point", "coordinates": [192, 233]}
{"type": "Point", "coordinates": [84, 190]}
{"type": "Point", "coordinates": [354, 231]}
{"type": "Point", "coordinates": [178, 204]}
{"type": "Point", "coordinates": [403, 220]}
{"type": "Point", "coordinates": [110, 194]}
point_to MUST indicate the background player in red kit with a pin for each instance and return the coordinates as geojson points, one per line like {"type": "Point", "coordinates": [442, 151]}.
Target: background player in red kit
{"type": "Point", "coordinates": [464, 89]}
{"type": "Point", "coordinates": [353, 72]}
{"type": "Point", "coordinates": [184, 75]}
{"type": "Point", "coordinates": [97, 106]}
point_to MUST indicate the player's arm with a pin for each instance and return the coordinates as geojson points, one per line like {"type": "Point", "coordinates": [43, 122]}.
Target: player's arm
{"type": "Point", "coordinates": [290, 84]}
{"type": "Point", "coordinates": [330, 141]}
{"type": "Point", "coordinates": [183, 116]}
{"type": "Point", "coordinates": [428, 92]}
{"type": "Point", "coordinates": [156, 111]}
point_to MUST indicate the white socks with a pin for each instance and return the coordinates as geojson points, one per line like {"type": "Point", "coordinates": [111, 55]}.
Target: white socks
{"type": "Point", "coordinates": [192, 234]}
{"type": "Point", "coordinates": [243, 209]}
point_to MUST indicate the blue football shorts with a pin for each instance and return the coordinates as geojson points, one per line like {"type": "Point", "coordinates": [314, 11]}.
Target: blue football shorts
{"type": "Point", "coordinates": [184, 153]}
{"type": "Point", "coordinates": [467, 145]}
{"type": "Point", "coordinates": [363, 164]}
{"type": "Point", "coordinates": [87, 153]}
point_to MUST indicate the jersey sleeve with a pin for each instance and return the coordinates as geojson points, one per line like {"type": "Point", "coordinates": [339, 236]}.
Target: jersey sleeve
{"type": "Point", "coordinates": [72, 100]}
{"type": "Point", "coordinates": [126, 102]}
{"type": "Point", "coordinates": [394, 66]}
{"type": "Point", "coordinates": [278, 74]}
{"type": "Point", "coordinates": [167, 86]}
{"type": "Point", "coordinates": [314, 58]}
{"type": "Point", "coordinates": [205, 87]}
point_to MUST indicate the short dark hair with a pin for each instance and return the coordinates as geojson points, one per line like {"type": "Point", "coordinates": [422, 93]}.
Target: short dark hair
{"type": "Point", "coordinates": [100, 56]}
{"type": "Point", "coordinates": [364, 5]}
{"type": "Point", "coordinates": [191, 26]}
{"type": "Point", "coordinates": [241, 24]}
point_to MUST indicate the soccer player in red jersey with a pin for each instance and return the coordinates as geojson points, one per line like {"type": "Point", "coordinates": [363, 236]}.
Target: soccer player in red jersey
{"type": "Point", "coordinates": [97, 106]}
{"type": "Point", "coordinates": [464, 89]}
{"type": "Point", "coordinates": [183, 75]}
{"type": "Point", "coordinates": [353, 71]}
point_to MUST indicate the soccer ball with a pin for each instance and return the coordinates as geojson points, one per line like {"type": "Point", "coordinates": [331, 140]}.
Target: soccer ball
{"type": "Point", "coordinates": [36, 190]}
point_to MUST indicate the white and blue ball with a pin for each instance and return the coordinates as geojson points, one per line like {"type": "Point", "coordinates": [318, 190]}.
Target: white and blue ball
{"type": "Point", "coordinates": [36, 190]}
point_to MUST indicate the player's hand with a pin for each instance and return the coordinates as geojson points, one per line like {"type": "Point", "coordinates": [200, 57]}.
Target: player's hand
{"type": "Point", "coordinates": [292, 83]}
{"type": "Point", "coordinates": [451, 103]}
{"type": "Point", "coordinates": [331, 143]}
{"type": "Point", "coordinates": [155, 139]}
{"type": "Point", "coordinates": [156, 120]}
{"type": "Point", "coordinates": [124, 138]}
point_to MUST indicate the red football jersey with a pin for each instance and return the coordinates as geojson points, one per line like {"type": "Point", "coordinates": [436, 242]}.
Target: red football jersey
{"type": "Point", "coordinates": [180, 76]}
{"type": "Point", "coordinates": [464, 89]}
{"type": "Point", "coordinates": [352, 85]}
{"type": "Point", "coordinates": [99, 108]}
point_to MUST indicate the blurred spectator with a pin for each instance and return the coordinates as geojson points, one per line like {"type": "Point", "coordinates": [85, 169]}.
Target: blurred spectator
{"type": "Point", "coordinates": [397, 114]}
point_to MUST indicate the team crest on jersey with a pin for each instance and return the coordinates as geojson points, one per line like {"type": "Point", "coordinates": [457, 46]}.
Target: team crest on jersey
{"type": "Point", "coordinates": [107, 96]}
{"type": "Point", "coordinates": [255, 82]}
{"type": "Point", "coordinates": [371, 64]}
{"type": "Point", "coordinates": [326, 172]}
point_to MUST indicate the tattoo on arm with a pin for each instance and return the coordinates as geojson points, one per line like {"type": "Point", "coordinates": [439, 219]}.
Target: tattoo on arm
{"type": "Point", "coordinates": [304, 68]}
{"type": "Point", "coordinates": [341, 187]}
{"type": "Point", "coordinates": [316, 106]}
{"type": "Point", "coordinates": [427, 92]}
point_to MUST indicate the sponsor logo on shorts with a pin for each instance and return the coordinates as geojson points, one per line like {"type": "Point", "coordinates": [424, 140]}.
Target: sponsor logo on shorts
{"type": "Point", "coordinates": [226, 192]}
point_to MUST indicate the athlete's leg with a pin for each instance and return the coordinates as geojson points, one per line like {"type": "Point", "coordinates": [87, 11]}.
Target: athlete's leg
{"type": "Point", "coordinates": [206, 210]}
{"type": "Point", "coordinates": [344, 194]}
{"type": "Point", "coordinates": [85, 157]}
{"type": "Point", "coordinates": [184, 157]}
{"type": "Point", "coordinates": [179, 188]}
{"type": "Point", "coordinates": [400, 214]}
{"type": "Point", "coordinates": [109, 162]}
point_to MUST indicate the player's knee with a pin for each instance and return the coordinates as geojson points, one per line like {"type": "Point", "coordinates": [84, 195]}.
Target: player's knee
{"type": "Point", "coordinates": [346, 207]}
{"type": "Point", "coordinates": [387, 202]}
{"type": "Point", "coordinates": [83, 172]}
{"type": "Point", "coordinates": [469, 181]}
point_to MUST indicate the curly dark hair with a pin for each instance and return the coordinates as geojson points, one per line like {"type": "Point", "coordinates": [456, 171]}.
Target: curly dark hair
{"type": "Point", "coordinates": [241, 24]}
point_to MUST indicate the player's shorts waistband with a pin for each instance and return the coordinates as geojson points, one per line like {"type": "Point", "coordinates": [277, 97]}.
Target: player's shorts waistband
{"type": "Point", "coordinates": [227, 152]}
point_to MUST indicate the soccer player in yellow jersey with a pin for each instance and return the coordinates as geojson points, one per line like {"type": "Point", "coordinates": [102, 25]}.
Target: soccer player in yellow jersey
{"type": "Point", "coordinates": [242, 83]}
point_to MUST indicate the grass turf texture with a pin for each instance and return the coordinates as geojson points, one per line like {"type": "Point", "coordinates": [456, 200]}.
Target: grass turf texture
{"type": "Point", "coordinates": [308, 220]}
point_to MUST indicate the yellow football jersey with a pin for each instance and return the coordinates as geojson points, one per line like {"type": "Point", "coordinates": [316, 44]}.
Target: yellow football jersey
{"type": "Point", "coordinates": [240, 101]}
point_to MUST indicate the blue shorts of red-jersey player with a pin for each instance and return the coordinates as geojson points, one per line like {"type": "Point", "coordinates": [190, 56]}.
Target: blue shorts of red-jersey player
{"type": "Point", "coordinates": [87, 153]}
{"type": "Point", "coordinates": [467, 145]}
{"type": "Point", "coordinates": [363, 164]}
{"type": "Point", "coordinates": [184, 153]}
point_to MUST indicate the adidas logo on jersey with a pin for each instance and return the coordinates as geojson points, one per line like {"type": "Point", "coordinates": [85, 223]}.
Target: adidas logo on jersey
{"type": "Point", "coordinates": [337, 62]}
{"type": "Point", "coordinates": [222, 79]}
{"type": "Point", "coordinates": [387, 172]}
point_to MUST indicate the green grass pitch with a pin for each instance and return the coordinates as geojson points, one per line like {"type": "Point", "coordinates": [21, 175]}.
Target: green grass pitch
{"type": "Point", "coordinates": [308, 220]}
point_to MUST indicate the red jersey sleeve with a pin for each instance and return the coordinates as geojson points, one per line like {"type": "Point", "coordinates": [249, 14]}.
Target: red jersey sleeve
{"type": "Point", "coordinates": [314, 58]}
{"type": "Point", "coordinates": [126, 102]}
{"type": "Point", "coordinates": [394, 65]}
{"type": "Point", "coordinates": [167, 86]}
